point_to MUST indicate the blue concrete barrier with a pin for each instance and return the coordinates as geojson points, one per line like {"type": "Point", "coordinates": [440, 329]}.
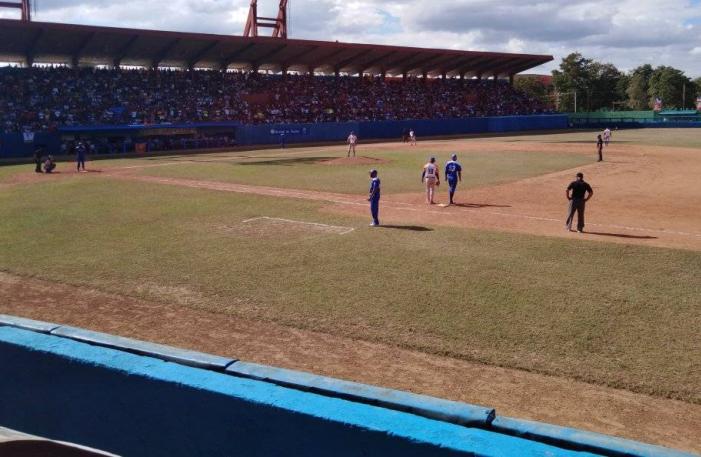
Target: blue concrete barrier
{"type": "Point", "coordinates": [27, 324]}
{"type": "Point", "coordinates": [159, 351]}
{"type": "Point", "coordinates": [136, 398]}
{"type": "Point", "coordinates": [422, 405]}
{"type": "Point", "coordinates": [136, 405]}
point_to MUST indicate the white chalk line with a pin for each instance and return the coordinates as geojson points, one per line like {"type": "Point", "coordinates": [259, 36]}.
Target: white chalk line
{"type": "Point", "coordinates": [342, 230]}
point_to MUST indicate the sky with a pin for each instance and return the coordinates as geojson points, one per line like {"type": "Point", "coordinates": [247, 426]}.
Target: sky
{"type": "Point", "coordinates": [626, 33]}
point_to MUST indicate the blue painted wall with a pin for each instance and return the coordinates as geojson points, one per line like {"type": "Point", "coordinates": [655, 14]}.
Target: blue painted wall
{"type": "Point", "coordinates": [138, 398]}
{"type": "Point", "coordinates": [136, 405]}
{"type": "Point", "coordinates": [13, 145]}
{"type": "Point", "coordinates": [304, 133]}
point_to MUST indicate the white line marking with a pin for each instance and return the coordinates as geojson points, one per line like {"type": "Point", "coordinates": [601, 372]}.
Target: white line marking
{"type": "Point", "coordinates": [342, 230]}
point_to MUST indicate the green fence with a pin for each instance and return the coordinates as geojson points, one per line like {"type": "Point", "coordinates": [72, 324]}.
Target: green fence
{"type": "Point", "coordinates": [632, 117]}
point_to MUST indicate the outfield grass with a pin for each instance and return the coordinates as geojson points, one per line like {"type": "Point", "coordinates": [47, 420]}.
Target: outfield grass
{"type": "Point", "coordinates": [402, 172]}
{"type": "Point", "coordinates": [680, 138]}
{"type": "Point", "coordinates": [611, 314]}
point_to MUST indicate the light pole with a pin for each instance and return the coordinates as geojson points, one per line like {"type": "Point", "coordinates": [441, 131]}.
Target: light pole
{"type": "Point", "coordinates": [683, 95]}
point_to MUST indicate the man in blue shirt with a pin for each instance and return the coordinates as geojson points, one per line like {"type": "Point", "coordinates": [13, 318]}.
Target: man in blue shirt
{"type": "Point", "coordinates": [453, 174]}
{"type": "Point", "coordinates": [81, 152]}
{"type": "Point", "coordinates": [374, 198]}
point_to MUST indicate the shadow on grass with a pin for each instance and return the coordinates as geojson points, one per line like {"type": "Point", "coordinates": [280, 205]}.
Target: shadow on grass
{"type": "Point", "coordinates": [256, 160]}
{"type": "Point", "coordinates": [479, 205]}
{"type": "Point", "coordinates": [412, 228]}
{"type": "Point", "coordinates": [590, 142]}
{"type": "Point", "coordinates": [556, 141]}
{"type": "Point", "coordinates": [286, 161]}
{"type": "Point", "coordinates": [623, 235]}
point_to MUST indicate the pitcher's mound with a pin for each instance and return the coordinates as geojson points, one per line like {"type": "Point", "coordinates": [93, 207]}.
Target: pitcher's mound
{"type": "Point", "coordinates": [353, 161]}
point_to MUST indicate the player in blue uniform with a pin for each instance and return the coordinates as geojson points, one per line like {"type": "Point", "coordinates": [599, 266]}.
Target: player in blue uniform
{"type": "Point", "coordinates": [453, 174]}
{"type": "Point", "coordinates": [81, 152]}
{"type": "Point", "coordinates": [374, 198]}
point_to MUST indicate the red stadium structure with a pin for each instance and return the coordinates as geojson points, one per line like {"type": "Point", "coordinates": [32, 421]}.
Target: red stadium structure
{"type": "Point", "coordinates": [279, 24]}
{"type": "Point", "coordinates": [251, 71]}
{"type": "Point", "coordinates": [22, 5]}
{"type": "Point", "coordinates": [82, 45]}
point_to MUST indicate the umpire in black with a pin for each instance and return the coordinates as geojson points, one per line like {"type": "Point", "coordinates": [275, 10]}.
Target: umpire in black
{"type": "Point", "coordinates": [38, 158]}
{"type": "Point", "coordinates": [578, 192]}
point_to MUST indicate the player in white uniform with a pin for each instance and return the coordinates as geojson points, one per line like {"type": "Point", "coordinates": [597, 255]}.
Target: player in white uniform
{"type": "Point", "coordinates": [352, 141]}
{"type": "Point", "coordinates": [430, 175]}
{"type": "Point", "coordinates": [412, 137]}
{"type": "Point", "coordinates": [607, 136]}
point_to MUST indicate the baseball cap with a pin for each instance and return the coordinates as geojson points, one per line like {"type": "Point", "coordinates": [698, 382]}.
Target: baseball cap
{"type": "Point", "coordinates": [580, 175]}
{"type": "Point", "coordinates": [454, 157]}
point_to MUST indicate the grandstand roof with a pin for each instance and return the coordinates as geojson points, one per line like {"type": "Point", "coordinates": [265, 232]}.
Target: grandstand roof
{"type": "Point", "coordinates": [43, 42]}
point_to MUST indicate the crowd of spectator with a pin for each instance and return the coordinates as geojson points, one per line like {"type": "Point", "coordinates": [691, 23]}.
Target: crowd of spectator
{"type": "Point", "coordinates": [43, 99]}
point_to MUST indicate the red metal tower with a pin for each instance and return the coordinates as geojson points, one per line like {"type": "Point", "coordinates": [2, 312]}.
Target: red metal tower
{"type": "Point", "coordinates": [20, 5]}
{"type": "Point", "coordinates": [279, 24]}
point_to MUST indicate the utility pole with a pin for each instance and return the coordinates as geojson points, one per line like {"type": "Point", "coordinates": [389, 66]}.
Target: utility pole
{"type": "Point", "coordinates": [683, 95]}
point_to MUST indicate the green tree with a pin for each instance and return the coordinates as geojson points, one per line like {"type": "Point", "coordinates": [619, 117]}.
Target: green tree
{"type": "Point", "coordinates": [534, 87]}
{"type": "Point", "coordinates": [597, 85]}
{"type": "Point", "coordinates": [604, 89]}
{"type": "Point", "coordinates": [572, 77]}
{"type": "Point", "coordinates": [638, 85]}
{"type": "Point", "coordinates": [672, 86]}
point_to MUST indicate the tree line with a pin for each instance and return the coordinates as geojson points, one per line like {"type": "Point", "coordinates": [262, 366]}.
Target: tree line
{"type": "Point", "coordinates": [602, 86]}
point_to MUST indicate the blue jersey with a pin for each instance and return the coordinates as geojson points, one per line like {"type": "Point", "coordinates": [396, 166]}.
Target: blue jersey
{"type": "Point", "coordinates": [81, 150]}
{"type": "Point", "coordinates": [452, 168]}
{"type": "Point", "coordinates": [375, 188]}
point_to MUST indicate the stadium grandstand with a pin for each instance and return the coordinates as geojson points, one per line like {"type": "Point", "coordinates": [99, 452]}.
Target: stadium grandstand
{"type": "Point", "coordinates": [72, 76]}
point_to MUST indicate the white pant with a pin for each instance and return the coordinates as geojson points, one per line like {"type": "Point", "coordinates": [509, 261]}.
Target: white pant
{"type": "Point", "coordinates": [430, 188]}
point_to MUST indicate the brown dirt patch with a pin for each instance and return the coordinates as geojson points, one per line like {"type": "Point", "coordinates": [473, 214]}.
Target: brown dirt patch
{"type": "Point", "coordinates": [642, 195]}
{"type": "Point", "coordinates": [512, 392]}
{"type": "Point", "coordinates": [361, 160]}
{"type": "Point", "coordinates": [31, 177]}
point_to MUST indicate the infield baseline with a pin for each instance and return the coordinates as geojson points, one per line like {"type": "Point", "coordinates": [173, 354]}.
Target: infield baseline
{"type": "Point", "coordinates": [340, 230]}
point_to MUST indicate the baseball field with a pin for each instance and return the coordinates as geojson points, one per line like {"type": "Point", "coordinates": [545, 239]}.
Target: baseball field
{"type": "Point", "coordinates": [266, 255]}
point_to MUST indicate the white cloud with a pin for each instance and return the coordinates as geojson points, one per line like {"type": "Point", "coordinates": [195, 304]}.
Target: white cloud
{"type": "Point", "coordinates": [625, 32]}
